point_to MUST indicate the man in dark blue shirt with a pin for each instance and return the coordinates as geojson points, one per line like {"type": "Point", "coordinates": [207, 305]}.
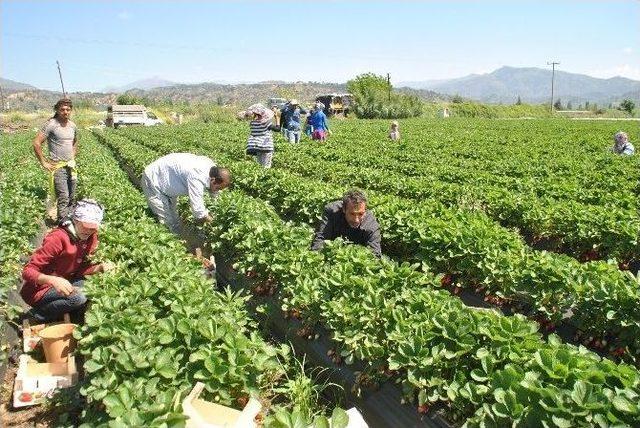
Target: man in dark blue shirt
{"type": "Point", "coordinates": [290, 120]}
{"type": "Point", "coordinates": [349, 219]}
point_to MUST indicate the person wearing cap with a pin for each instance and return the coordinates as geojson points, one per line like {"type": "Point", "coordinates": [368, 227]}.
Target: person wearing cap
{"type": "Point", "coordinates": [61, 136]}
{"type": "Point", "coordinates": [308, 128]}
{"type": "Point", "coordinates": [349, 219]}
{"type": "Point", "coordinates": [53, 276]}
{"type": "Point", "coordinates": [318, 120]}
{"type": "Point", "coordinates": [260, 141]}
{"type": "Point", "coordinates": [290, 120]}
{"type": "Point", "coordinates": [179, 174]}
{"type": "Point", "coordinates": [621, 145]}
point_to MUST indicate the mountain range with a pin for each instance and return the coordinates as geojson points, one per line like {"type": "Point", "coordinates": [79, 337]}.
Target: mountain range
{"type": "Point", "coordinates": [533, 85]}
{"type": "Point", "coordinates": [12, 86]}
{"type": "Point", "coordinates": [504, 85]}
{"type": "Point", "coordinates": [144, 84]}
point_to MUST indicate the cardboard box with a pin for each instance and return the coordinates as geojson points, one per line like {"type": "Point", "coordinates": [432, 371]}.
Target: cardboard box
{"type": "Point", "coordinates": [355, 419]}
{"type": "Point", "coordinates": [37, 381]}
{"type": "Point", "coordinates": [30, 338]}
{"type": "Point", "coordinates": [204, 414]}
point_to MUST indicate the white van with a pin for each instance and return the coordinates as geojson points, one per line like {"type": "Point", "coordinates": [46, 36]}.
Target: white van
{"type": "Point", "coordinates": [127, 115]}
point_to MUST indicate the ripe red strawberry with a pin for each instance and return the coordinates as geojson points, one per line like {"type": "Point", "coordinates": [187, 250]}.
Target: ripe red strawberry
{"type": "Point", "coordinates": [446, 280]}
{"type": "Point", "coordinates": [618, 352]}
{"type": "Point", "coordinates": [25, 397]}
{"type": "Point", "coordinates": [423, 409]}
{"type": "Point", "coordinates": [242, 401]}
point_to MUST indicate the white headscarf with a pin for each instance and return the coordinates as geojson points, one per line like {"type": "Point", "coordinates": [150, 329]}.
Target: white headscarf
{"type": "Point", "coordinates": [88, 211]}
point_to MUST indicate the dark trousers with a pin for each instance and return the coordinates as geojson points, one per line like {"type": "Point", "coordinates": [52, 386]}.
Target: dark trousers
{"type": "Point", "coordinates": [54, 305]}
{"type": "Point", "coordinates": [65, 188]}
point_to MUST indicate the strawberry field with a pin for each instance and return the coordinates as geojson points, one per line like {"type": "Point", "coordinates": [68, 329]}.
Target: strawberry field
{"type": "Point", "coordinates": [535, 221]}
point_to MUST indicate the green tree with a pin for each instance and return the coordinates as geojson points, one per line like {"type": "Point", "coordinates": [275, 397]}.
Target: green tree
{"type": "Point", "coordinates": [627, 105]}
{"type": "Point", "coordinates": [558, 104]}
{"type": "Point", "coordinates": [373, 98]}
{"type": "Point", "coordinates": [369, 83]}
{"type": "Point", "coordinates": [519, 101]}
{"type": "Point", "coordinates": [129, 99]}
{"type": "Point", "coordinates": [457, 99]}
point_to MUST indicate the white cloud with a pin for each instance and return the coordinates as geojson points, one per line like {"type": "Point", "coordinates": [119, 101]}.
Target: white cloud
{"type": "Point", "coordinates": [627, 50]}
{"type": "Point", "coordinates": [124, 16]}
{"type": "Point", "coordinates": [624, 70]}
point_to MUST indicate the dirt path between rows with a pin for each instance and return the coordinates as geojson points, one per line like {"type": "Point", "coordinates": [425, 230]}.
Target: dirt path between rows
{"type": "Point", "coordinates": [40, 416]}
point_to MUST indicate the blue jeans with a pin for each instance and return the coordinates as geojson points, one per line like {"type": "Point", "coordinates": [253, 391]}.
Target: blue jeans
{"type": "Point", "coordinates": [293, 136]}
{"type": "Point", "coordinates": [54, 305]}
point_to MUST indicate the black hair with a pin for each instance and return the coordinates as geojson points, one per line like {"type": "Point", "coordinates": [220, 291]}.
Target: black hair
{"type": "Point", "coordinates": [219, 175]}
{"type": "Point", "coordinates": [61, 102]}
{"type": "Point", "coordinates": [355, 196]}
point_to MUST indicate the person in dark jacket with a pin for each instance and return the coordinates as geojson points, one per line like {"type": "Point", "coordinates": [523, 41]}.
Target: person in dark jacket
{"type": "Point", "coordinates": [290, 121]}
{"type": "Point", "coordinates": [349, 219]}
{"type": "Point", "coordinates": [53, 276]}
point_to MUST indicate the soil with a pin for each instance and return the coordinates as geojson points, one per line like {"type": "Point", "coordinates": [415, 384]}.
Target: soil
{"type": "Point", "coordinates": [31, 416]}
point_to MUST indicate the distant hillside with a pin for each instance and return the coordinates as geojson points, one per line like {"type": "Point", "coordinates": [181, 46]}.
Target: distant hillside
{"type": "Point", "coordinates": [242, 94]}
{"type": "Point", "coordinates": [38, 99]}
{"type": "Point", "coordinates": [533, 85]}
{"type": "Point", "coordinates": [245, 94]}
{"type": "Point", "coordinates": [9, 86]}
{"type": "Point", "coordinates": [144, 84]}
{"type": "Point", "coordinates": [222, 94]}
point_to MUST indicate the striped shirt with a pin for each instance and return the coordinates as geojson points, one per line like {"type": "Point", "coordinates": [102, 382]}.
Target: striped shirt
{"type": "Point", "coordinates": [260, 138]}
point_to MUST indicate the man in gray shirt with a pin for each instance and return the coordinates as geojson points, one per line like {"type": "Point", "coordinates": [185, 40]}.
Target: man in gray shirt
{"type": "Point", "coordinates": [61, 136]}
{"type": "Point", "coordinates": [349, 219]}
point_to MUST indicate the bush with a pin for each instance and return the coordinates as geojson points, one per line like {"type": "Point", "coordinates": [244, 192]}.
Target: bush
{"type": "Point", "coordinates": [373, 99]}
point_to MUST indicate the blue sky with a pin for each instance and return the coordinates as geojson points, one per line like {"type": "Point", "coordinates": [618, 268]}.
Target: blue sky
{"type": "Point", "coordinates": [111, 43]}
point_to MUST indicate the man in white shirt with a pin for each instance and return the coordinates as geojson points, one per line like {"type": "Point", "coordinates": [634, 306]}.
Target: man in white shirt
{"type": "Point", "coordinates": [182, 174]}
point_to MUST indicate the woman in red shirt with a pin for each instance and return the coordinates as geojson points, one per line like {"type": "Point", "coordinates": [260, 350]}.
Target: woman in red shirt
{"type": "Point", "coordinates": [54, 273]}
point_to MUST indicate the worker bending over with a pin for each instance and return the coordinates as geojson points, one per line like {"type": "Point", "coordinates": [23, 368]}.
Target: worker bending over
{"type": "Point", "coordinates": [351, 220]}
{"type": "Point", "coordinates": [179, 174]}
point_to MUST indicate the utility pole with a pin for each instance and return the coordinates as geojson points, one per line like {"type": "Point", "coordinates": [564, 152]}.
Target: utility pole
{"type": "Point", "coordinates": [553, 72]}
{"type": "Point", "coordinates": [64, 93]}
{"type": "Point", "coordinates": [389, 85]}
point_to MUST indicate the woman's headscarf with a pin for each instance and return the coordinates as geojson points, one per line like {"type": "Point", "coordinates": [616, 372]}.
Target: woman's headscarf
{"type": "Point", "coordinates": [621, 138]}
{"type": "Point", "coordinates": [89, 212]}
{"type": "Point", "coordinates": [265, 114]}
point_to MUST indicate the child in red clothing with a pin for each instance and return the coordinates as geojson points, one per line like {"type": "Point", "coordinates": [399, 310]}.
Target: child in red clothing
{"type": "Point", "coordinates": [54, 273]}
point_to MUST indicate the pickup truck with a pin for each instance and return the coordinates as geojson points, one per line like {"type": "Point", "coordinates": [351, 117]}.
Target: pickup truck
{"type": "Point", "coordinates": [127, 115]}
